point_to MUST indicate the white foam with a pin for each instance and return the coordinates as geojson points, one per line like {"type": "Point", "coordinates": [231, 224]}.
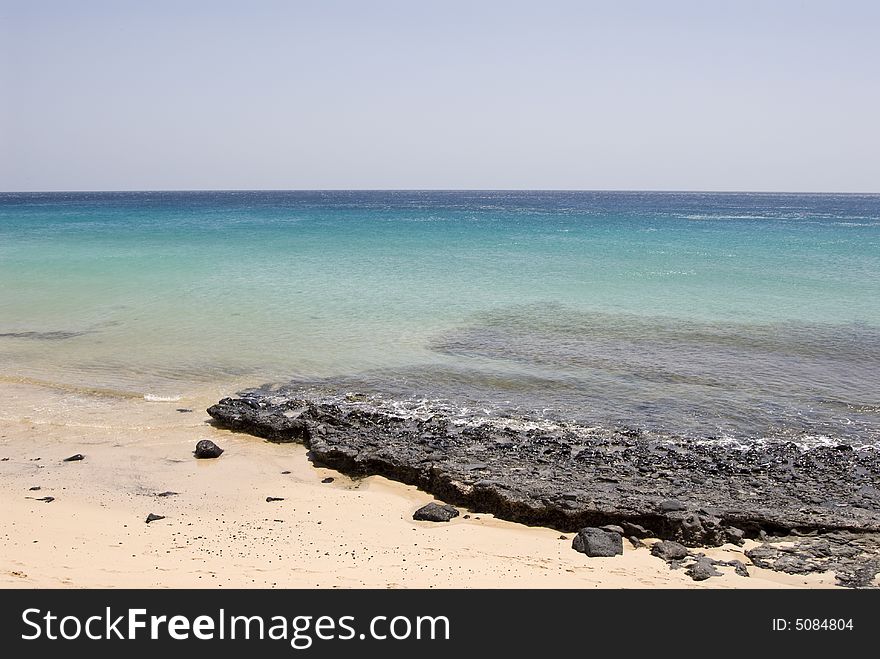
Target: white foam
{"type": "Point", "coordinates": [702, 216]}
{"type": "Point", "coordinates": [152, 398]}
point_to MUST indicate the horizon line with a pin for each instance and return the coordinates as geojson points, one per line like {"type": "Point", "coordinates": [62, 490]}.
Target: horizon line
{"type": "Point", "coordinates": [606, 190]}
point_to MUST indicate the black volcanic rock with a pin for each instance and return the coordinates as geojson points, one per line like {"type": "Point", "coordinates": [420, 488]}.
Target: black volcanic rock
{"type": "Point", "coordinates": [435, 512]}
{"type": "Point", "coordinates": [567, 476]}
{"type": "Point", "coordinates": [635, 542]}
{"type": "Point", "coordinates": [702, 569]}
{"type": "Point", "coordinates": [697, 529]}
{"type": "Point", "coordinates": [635, 530]}
{"type": "Point", "coordinates": [256, 417]}
{"type": "Point", "coordinates": [734, 535]}
{"type": "Point", "coordinates": [153, 518]}
{"type": "Point", "coordinates": [669, 550]}
{"type": "Point", "coordinates": [598, 542]}
{"type": "Point", "coordinates": [206, 449]}
{"type": "Point", "coordinates": [854, 558]}
{"type": "Point", "coordinates": [671, 505]}
{"type": "Point", "coordinates": [75, 458]}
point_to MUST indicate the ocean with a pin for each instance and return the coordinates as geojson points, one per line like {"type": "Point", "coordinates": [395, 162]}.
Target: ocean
{"type": "Point", "coordinates": [735, 317]}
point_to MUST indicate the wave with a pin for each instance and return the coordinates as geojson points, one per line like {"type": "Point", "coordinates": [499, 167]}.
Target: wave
{"type": "Point", "coordinates": [495, 417]}
{"type": "Point", "coordinates": [153, 398]}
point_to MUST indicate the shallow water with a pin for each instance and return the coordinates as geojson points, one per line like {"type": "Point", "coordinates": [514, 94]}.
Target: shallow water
{"type": "Point", "coordinates": [718, 315]}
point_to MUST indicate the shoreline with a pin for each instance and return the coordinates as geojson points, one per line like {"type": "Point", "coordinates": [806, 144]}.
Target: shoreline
{"type": "Point", "coordinates": [812, 509]}
{"type": "Point", "coordinates": [219, 530]}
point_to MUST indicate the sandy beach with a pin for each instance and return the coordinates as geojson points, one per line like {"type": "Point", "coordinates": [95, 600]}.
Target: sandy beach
{"type": "Point", "coordinates": [220, 532]}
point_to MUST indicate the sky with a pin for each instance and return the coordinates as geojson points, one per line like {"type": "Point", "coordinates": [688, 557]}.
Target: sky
{"type": "Point", "coordinates": [422, 94]}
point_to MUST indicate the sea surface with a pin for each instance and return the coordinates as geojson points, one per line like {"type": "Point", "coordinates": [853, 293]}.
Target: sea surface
{"type": "Point", "coordinates": [730, 317]}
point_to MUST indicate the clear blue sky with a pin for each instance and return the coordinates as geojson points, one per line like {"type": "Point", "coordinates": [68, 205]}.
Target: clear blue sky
{"type": "Point", "coordinates": [772, 95]}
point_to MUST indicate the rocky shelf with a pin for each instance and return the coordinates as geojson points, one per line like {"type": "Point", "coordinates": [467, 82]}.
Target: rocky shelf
{"type": "Point", "coordinates": [567, 476]}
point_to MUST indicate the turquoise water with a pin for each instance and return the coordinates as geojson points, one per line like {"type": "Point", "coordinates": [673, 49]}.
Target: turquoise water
{"type": "Point", "coordinates": [740, 315]}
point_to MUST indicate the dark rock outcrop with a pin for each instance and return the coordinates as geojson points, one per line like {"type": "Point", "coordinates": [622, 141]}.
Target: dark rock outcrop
{"type": "Point", "coordinates": [566, 476]}
{"type": "Point", "coordinates": [702, 529]}
{"type": "Point", "coordinates": [598, 542]}
{"type": "Point", "coordinates": [206, 449]}
{"type": "Point", "coordinates": [697, 566]}
{"type": "Point", "coordinates": [635, 530]}
{"type": "Point", "coordinates": [734, 535]}
{"type": "Point", "coordinates": [671, 505]}
{"type": "Point", "coordinates": [435, 512]}
{"type": "Point", "coordinates": [854, 558]}
{"type": "Point", "coordinates": [256, 417]}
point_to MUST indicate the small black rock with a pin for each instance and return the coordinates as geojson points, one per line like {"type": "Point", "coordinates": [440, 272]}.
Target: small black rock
{"type": "Point", "coordinates": [329, 479]}
{"type": "Point", "coordinates": [669, 550]}
{"type": "Point", "coordinates": [75, 458]}
{"type": "Point", "coordinates": [597, 542]}
{"type": "Point", "coordinates": [46, 499]}
{"type": "Point", "coordinates": [635, 542]}
{"type": "Point", "coordinates": [207, 449]}
{"type": "Point", "coordinates": [34, 488]}
{"type": "Point", "coordinates": [152, 518]}
{"type": "Point", "coordinates": [284, 473]}
{"type": "Point", "coordinates": [184, 409]}
{"type": "Point", "coordinates": [702, 569]}
{"type": "Point", "coordinates": [169, 493]}
{"type": "Point", "coordinates": [271, 499]}
{"type": "Point", "coordinates": [435, 512]}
